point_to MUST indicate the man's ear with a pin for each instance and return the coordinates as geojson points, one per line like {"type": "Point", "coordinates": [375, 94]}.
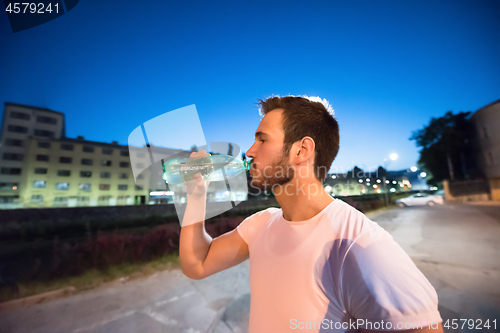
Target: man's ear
{"type": "Point", "coordinates": [303, 150]}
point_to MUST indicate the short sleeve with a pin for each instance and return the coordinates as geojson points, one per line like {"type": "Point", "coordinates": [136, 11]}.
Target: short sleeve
{"type": "Point", "coordinates": [379, 281]}
{"type": "Point", "coordinates": [252, 224]}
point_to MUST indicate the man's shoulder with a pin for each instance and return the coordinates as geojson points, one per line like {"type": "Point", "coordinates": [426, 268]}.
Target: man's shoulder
{"type": "Point", "coordinates": [255, 223]}
{"type": "Point", "coordinates": [265, 213]}
{"type": "Point", "coordinates": [350, 223]}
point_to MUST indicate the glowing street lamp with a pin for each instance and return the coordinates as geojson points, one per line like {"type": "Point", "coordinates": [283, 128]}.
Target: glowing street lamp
{"type": "Point", "coordinates": [393, 157]}
{"type": "Point", "coordinates": [423, 174]}
{"type": "Point", "coordinates": [413, 168]}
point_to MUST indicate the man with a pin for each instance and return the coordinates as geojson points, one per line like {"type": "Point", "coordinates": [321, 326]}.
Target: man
{"type": "Point", "coordinates": [316, 264]}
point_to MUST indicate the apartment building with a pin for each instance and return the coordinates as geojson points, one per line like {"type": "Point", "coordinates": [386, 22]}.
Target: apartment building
{"type": "Point", "coordinates": [41, 167]}
{"type": "Point", "coordinates": [487, 123]}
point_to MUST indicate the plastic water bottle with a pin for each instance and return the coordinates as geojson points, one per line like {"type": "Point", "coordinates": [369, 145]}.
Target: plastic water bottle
{"type": "Point", "coordinates": [212, 168]}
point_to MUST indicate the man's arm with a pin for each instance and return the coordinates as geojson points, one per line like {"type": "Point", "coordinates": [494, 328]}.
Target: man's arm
{"type": "Point", "coordinates": [200, 255]}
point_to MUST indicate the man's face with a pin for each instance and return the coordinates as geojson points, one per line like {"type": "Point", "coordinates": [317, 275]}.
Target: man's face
{"type": "Point", "coordinates": [270, 167]}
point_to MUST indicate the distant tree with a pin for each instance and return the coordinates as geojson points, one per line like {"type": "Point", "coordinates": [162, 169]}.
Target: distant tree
{"type": "Point", "coordinates": [356, 172]}
{"type": "Point", "coordinates": [447, 148]}
{"type": "Point", "coordinates": [381, 172]}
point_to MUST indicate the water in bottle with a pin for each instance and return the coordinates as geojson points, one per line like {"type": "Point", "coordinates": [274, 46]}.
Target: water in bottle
{"type": "Point", "coordinates": [211, 168]}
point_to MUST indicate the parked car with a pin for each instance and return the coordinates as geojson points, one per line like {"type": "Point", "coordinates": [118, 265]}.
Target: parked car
{"type": "Point", "coordinates": [418, 199]}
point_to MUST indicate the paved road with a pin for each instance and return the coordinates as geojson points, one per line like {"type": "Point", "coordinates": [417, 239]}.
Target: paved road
{"type": "Point", "coordinates": [456, 246]}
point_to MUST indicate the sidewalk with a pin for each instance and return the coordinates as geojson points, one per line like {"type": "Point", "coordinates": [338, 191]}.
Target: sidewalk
{"type": "Point", "coordinates": [483, 203]}
{"type": "Point", "coordinates": [165, 301]}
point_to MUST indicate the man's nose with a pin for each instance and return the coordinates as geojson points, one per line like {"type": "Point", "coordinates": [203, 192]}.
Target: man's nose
{"type": "Point", "coordinates": [251, 152]}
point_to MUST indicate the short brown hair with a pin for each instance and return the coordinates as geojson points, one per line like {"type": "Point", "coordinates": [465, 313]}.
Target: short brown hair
{"type": "Point", "coordinates": [303, 117]}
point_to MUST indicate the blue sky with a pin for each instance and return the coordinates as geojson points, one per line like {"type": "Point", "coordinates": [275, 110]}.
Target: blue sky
{"type": "Point", "coordinates": [386, 67]}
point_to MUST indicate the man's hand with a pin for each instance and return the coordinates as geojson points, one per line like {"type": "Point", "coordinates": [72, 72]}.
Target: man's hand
{"type": "Point", "coordinates": [197, 188]}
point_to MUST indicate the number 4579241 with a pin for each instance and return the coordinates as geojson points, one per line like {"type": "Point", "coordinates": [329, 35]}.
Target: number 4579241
{"type": "Point", "coordinates": [477, 324]}
{"type": "Point", "coordinates": [39, 8]}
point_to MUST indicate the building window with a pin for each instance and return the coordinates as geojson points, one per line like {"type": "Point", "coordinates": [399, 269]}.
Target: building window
{"type": "Point", "coordinates": [124, 164]}
{"type": "Point", "coordinates": [88, 149]}
{"type": "Point", "coordinates": [83, 200]}
{"type": "Point", "coordinates": [44, 133]}
{"type": "Point", "coordinates": [138, 188]}
{"type": "Point", "coordinates": [107, 151]}
{"type": "Point", "coordinates": [66, 146]}
{"type": "Point", "coordinates": [124, 153]}
{"type": "Point", "coordinates": [37, 198]}
{"type": "Point", "coordinates": [122, 200]}
{"type": "Point", "coordinates": [103, 198]}
{"type": "Point", "coordinates": [139, 165]}
{"type": "Point", "coordinates": [17, 129]}
{"type": "Point", "coordinates": [64, 173]}
{"type": "Point", "coordinates": [85, 174]}
{"type": "Point", "coordinates": [40, 184]}
{"type": "Point", "coordinates": [63, 159]}
{"type": "Point", "coordinates": [8, 199]}
{"type": "Point", "coordinates": [46, 120]}
{"type": "Point", "coordinates": [104, 187]}
{"type": "Point", "coordinates": [41, 171]}
{"type": "Point", "coordinates": [12, 157]}
{"type": "Point", "coordinates": [123, 176]}
{"type": "Point", "coordinates": [60, 200]}
{"type": "Point", "coordinates": [9, 186]}
{"type": "Point", "coordinates": [10, 171]}
{"type": "Point", "coordinates": [42, 158]}
{"type": "Point", "coordinates": [122, 187]}
{"type": "Point", "coordinates": [62, 186]}
{"type": "Point", "coordinates": [105, 162]}
{"type": "Point", "coordinates": [19, 115]}
{"type": "Point", "coordinates": [13, 142]}
{"type": "Point", "coordinates": [141, 155]}
{"type": "Point", "coordinates": [43, 144]}
{"type": "Point", "coordinates": [105, 174]}
{"type": "Point", "coordinates": [84, 187]}
{"type": "Point", "coordinates": [87, 161]}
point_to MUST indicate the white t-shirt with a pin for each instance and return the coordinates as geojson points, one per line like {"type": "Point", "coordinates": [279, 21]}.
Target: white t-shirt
{"type": "Point", "coordinates": [330, 272]}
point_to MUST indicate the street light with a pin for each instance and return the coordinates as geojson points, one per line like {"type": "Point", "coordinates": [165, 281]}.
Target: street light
{"type": "Point", "coordinates": [393, 157]}
{"type": "Point", "coordinates": [423, 174]}
{"type": "Point", "coordinates": [413, 168]}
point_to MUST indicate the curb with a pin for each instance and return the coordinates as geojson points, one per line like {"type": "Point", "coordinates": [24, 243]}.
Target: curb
{"type": "Point", "coordinates": [36, 299]}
